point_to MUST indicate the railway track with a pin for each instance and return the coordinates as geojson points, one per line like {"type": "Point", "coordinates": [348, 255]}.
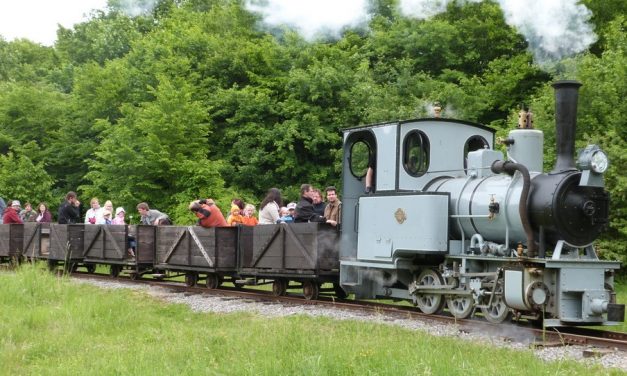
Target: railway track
{"type": "Point", "coordinates": [515, 332]}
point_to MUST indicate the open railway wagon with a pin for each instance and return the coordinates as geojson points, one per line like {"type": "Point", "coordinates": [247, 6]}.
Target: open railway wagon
{"type": "Point", "coordinates": [198, 253]}
{"type": "Point", "coordinates": [66, 245]}
{"type": "Point", "coordinates": [11, 243]}
{"type": "Point", "coordinates": [36, 241]}
{"type": "Point", "coordinates": [306, 254]}
{"type": "Point", "coordinates": [125, 248]}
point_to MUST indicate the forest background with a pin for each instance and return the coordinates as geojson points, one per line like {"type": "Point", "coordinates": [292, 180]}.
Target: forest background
{"type": "Point", "coordinates": [201, 98]}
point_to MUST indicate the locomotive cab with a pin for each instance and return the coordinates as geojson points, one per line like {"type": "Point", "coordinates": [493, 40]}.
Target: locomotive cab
{"type": "Point", "coordinates": [399, 221]}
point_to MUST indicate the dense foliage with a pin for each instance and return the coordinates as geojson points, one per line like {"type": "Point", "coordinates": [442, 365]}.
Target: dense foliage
{"type": "Point", "coordinates": [199, 98]}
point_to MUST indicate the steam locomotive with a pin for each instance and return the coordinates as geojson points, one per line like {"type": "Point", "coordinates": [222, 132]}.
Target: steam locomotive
{"type": "Point", "coordinates": [453, 222]}
{"type": "Point", "coordinates": [449, 221]}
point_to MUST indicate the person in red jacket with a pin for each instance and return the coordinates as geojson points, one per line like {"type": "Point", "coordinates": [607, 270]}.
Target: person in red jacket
{"type": "Point", "coordinates": [208, 213]}
{"type": "Point", "coordinates": [10, 214]}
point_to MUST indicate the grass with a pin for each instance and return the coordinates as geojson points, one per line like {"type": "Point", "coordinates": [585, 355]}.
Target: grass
{"type": "Point", "coordinates": [52, 326]}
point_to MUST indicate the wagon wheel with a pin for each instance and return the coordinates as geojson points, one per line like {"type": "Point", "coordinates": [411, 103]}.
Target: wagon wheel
{"type": "Point", "coordinates": [430, 303]}
{"type": "Point", "coordinates": [339, 291]}
{"type": "Point", "coordinates": [91, 268]}
{"type": "Point", "coordinates": [497, 311]}
{"type": "Point", "coordinates": [190, 279]}
{"type": "Point", "coordinates": [114, 271]}
{"type": "Point", "coordinates": [213, 281]}
{"type": "Point", "coordinates": [279, 287]}
{"type": "Point", "coordinates": [311, 290]}
{"type": "Point", "coordinates": [460, 306]}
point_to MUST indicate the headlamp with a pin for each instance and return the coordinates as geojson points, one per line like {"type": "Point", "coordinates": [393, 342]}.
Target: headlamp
{"type": "Point", "coordinates": [593, 158]}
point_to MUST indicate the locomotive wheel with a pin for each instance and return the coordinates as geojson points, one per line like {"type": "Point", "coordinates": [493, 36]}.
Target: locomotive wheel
{"type": "Point", "coordinates": [498, 311]}
{"type": "Point", "coordinates": [311, 290]}
{"type": "Point", "coordinates": [213, 281]}
{"type": "Point", "coordinates": [339, 291]}
{"type": "Point", "coordinates": [190, 279]}
{"type": "Point", "coordinates": [114, 271]}
{"type": "Point", "coordinates": [460, 306]}
{"type": "Point", "coordinates": [430, 303]}
{"type": "Point", "coordinates": [279, 287]}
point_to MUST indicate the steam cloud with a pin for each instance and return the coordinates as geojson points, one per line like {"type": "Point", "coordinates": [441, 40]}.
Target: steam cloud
{"type": "Point", "coordinates": [312, 18]}
{"type": "Point", "coordinates": [554, 29]}
{"type": "Point", "coordinates": [134, 8]}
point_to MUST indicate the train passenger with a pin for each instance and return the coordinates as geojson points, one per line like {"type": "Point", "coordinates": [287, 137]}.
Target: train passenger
{"type": "Point", "coordinates": [318, 204]}
{"type": "Point", "coordinates": [3, 205]}
{"type": "Point", "coordinates": [69, 211]}
{"type": "Point", "coordinates": [287, 213]}
{"type": "Point", "coordinates": [235, 216]}
{"type": "Point", "coordinates": [334, 207]}
{"type": "Point", "coordinates": [108, 206]}
{"type": "Point", "coordinates": [43, 214]}
{"type": "Point", "coordinates": [152, 216]}
{"type": "Point", "coordinates": [119, 216]}
{"type": "Point", "coordinates": [249, 219]}
{"type": "Point", "coordinates": [28, 214]}
{"type": "Point", "coordinates": [11, 213]}
{"type": "Point", "coordinates": [208, 213]}
{"type": "Point", "coordinates": [269, 207]}
{"type": "Point", "coordinates": [304, 209]}
{"type": "Point", "coordinates": [106, 215]}
{"type": "Point", "coordinates": [94, 214]}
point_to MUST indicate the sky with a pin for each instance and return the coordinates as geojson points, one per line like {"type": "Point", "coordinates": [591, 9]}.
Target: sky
{"type": "Point", "coordinates": [37, 19]}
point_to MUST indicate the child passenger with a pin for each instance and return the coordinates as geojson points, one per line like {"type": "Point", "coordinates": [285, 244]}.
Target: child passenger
{"type": "Point", "coordinates": [249, 218]}
{"type": "Point", "coordinates": [119, 216]}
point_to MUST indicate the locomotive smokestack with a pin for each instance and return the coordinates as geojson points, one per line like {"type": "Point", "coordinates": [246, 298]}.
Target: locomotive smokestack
{"type": "Point", "coordinates": [566, 95]}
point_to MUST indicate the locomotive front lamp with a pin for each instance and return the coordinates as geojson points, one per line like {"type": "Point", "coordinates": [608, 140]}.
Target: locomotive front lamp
{"type": "Point", "coordinates": [593, 162]}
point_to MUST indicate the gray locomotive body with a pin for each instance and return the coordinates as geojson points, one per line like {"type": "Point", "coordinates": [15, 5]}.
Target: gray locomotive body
{"type": "Point", "coordinates": [454, 222]}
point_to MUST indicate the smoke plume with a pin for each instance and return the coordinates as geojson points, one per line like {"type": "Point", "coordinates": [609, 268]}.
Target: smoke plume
{"type": "Point", "coordinates": [554, 29]}
{"type": "Point", "coordinates": [134, 8]}
{"type": "Point", "coordinates": [312, 18]}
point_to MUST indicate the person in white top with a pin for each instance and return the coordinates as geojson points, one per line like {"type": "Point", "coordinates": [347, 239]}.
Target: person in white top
{"type": "Point", "coordinates": [269, 208]}
{"type": "Point", "coordinates": [94, 214]}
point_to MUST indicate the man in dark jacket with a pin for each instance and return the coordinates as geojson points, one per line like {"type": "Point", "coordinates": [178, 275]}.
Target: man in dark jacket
{"type": "Point", "coordinates": [304, 209]}
{"type": "Point", "coordinates": [69, 211]}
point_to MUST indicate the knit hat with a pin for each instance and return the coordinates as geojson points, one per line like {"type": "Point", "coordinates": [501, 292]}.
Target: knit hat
{"type": "Point", "coordinates": [119, 210]}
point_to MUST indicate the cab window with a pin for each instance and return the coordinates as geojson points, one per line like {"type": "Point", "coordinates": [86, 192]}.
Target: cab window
{"type": "Point", "coordinates": [359, 159]}
{"type": "Point", "coordinates": [416, 153]}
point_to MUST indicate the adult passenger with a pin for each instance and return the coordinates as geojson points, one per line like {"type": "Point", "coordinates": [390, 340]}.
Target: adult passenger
{"type": "Point", "coordinates": [334, 207]}
{"type": "Point", "coordinates": [94, 214]}
{"type": "Point", "coordinates": [152, 216]}
{"type": "Point", "coordinates": [208, 213]}
{"type": "Point", "coordinates": [11, 213]}
{"type": "Point", "coordinates": [108, 206]}
{"type": "Point", "coordinates": [269, 208]}
{"type": "Point", "coordinates": [318, 203]}
{"type": "Point", "coordinates": [28, 214]}
{"type": "Point", "coordinates": [43, 214]}
{"type": "Point", "coordinates": [69, 211]}
{"type": "Point", "coordinates": [304, 209]}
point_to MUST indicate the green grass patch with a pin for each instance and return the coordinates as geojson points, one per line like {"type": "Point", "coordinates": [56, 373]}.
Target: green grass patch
{"type": "Point", "coordinates": [53, 326]}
